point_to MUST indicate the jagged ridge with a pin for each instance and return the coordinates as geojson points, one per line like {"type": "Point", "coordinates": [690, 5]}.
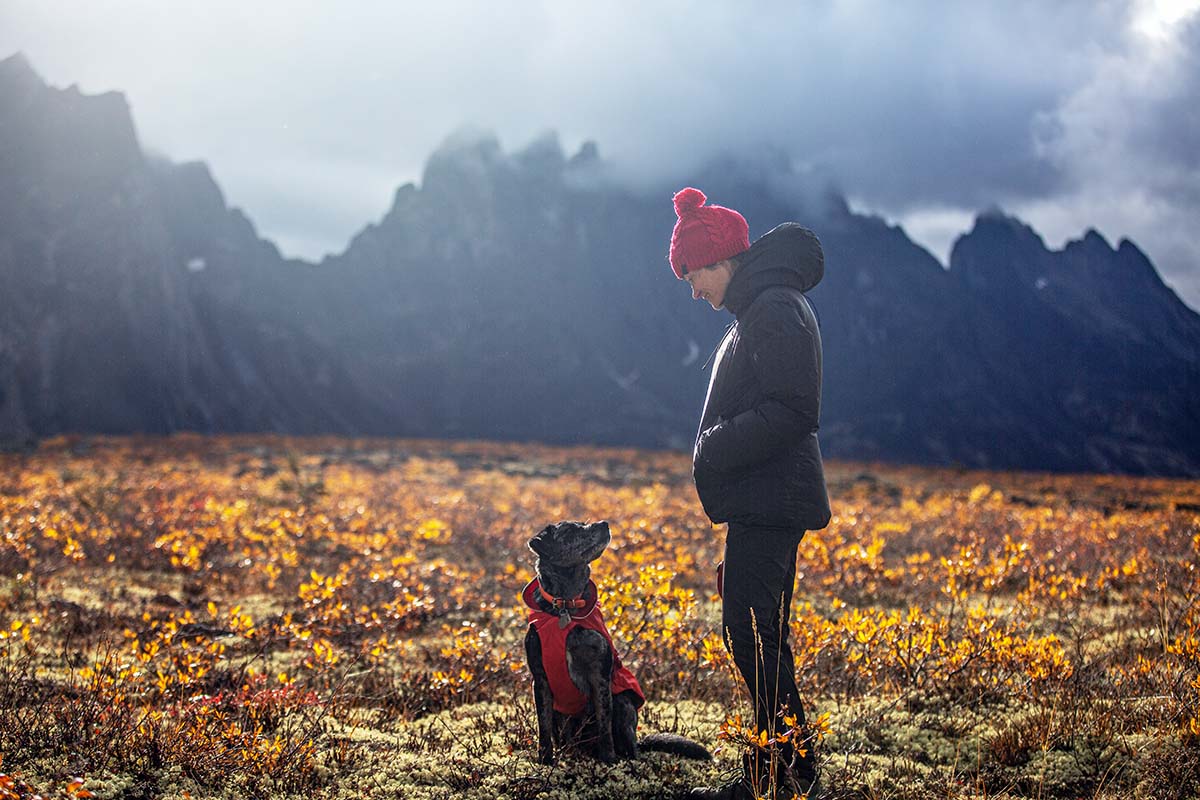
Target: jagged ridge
{"type": "Point", "coordinates": [526, 296]}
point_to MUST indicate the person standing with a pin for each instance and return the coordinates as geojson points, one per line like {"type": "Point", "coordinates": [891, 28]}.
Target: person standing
{"type": "Point", "coordinates": [757, 462]}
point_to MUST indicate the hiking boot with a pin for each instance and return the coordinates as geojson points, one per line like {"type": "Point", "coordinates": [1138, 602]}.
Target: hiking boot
{"type": "Point", "coordinates": [805, 788]}
{"type": "Point", "coordinates": [741, 789]}
{"type": "Point", "coordinates": [799, 780]}
{"type": "Point", "coordinates": [795, 781]}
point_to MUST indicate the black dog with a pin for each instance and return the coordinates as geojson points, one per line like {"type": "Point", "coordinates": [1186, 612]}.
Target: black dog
{"type": "Point", "coordinates": [582, 691]}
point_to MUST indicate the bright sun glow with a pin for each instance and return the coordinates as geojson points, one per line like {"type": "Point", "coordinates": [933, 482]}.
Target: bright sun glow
{"type": "Point", "coordinates": [1158, 18]}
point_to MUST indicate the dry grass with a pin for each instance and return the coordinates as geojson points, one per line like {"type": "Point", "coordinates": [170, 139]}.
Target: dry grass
{"type": "Point", "coordinates": [255, 616]}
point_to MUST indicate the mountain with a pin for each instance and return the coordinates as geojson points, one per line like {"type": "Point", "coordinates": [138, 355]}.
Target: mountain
{"type": "Point", "coordinates": [526, 295]}
{"type": "Point", "coordinates": [131, 297]}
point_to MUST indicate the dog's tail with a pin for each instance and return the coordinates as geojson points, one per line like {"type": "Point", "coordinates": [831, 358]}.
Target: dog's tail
{"type": "Point", "coordinates": [674, 744]}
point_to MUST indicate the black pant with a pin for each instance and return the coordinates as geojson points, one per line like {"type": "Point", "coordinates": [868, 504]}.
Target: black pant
{"type": "Point", "coordinates": [760, 573]}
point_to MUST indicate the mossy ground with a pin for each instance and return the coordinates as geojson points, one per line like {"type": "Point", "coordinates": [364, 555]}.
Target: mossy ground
{"type": "Point", "coordinates": [261, 617]}
{"type": "Point", "coordinates": [484, 751]}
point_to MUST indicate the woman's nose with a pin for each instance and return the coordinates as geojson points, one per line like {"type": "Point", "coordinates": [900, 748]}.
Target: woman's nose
{"type": "Point", "coordinates": [695, 293]}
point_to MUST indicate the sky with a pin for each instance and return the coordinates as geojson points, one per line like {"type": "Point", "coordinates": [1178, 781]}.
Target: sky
{"type": "Point", "coordinates": [1070, 114]}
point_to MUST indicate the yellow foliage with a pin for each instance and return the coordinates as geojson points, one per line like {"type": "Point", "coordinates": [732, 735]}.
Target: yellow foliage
{"type": "Point", "coordinates": [213, 599]}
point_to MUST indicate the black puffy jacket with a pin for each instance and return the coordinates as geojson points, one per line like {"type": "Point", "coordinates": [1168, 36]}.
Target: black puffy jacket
{"type": "Point", "coordinates": [757, 460]}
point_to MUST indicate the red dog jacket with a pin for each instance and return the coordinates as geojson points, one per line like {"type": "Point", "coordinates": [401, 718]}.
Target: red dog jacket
{"type": "Point", "coordinates": [568, 699]}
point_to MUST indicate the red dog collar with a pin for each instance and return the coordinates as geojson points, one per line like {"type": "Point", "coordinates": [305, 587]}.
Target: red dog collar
{"type": "Point", "coordinates": [561, 602]}
{"type": "Point", "coordinates": [576, 607]}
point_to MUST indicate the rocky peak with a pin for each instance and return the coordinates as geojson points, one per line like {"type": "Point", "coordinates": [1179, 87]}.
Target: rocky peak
{"type": "Point", "coordinates": [999, 256]}
{"type": "Point", "coordinates": [589, 153]}
{"type": "Point", "coordinates": [1136, 265]}
{"type": "Point", "coordinates": [63, 145]}
{"type": "Point", "coordinates": [17, 78]}
{"type": "Point", "coordinates": [507, 297]}
{"type": "Point", "coordinates": [1095, 240]}
{"type": "Point", "coordinates": [994, 226]}
{"type": "Point", "coordinates": [193, 205]}
{"type": "Point", "coordinates": [468, 153]}
{"type": "Point", "coordinates": [544, 154]}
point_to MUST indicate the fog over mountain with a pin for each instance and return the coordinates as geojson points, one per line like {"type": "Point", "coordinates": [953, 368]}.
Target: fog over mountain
{"type": "Point", "coordinates": [524, 295]}
{"type": "Point", "coordinates": [1070, 115]}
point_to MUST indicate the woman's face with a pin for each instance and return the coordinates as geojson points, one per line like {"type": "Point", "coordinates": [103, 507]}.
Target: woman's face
{"type": "Point", "coordinates": [710, 283]}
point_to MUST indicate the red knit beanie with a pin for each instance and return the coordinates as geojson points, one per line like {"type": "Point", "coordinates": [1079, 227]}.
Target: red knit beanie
{"type": "Point", "coordinates": [704, 234]}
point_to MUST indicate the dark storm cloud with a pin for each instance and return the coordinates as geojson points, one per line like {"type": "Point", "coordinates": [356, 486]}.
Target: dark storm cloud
{"type": "Point", "coordinates": [311, 116]}
{"type": "Point", "coordinates": [1168, 126]}
{"type": "Point", "coordinates": [1127, 138]}
{"type": "Point", "coordinates": [908, 105]}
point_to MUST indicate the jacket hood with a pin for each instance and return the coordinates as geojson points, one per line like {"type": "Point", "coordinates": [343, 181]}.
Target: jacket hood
{"type": "Point", "coordinates": [787, 255]}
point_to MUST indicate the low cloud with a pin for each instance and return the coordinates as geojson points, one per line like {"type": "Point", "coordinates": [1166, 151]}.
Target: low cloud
{"type": "Point", "coordinates": [1127, 142]}
{"type": "Point", "coordinates": [1074, 114]}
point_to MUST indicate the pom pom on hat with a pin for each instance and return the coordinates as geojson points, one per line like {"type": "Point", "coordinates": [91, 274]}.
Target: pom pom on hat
{"type": "Point", "coordinates": [688, 199]}
{"type": "Point", "coordinates": [703, 234]}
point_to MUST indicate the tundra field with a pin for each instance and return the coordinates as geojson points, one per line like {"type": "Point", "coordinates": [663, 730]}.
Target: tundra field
{"type": "Point", "coordinates": [197, 617]}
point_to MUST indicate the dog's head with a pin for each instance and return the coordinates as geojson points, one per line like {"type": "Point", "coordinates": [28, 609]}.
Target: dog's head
{"type": "Point", "coordinates": [571, 544]}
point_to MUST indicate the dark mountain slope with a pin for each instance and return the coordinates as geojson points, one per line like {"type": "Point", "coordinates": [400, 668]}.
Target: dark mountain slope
{"type": "Point", "coordinates": [525, 296]}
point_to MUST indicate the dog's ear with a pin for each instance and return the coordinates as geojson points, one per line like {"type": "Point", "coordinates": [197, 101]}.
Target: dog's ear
{"type": "Point", "coordinates": [601, 536]}
{"type": "Point", "coordinates": [538, 543]}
